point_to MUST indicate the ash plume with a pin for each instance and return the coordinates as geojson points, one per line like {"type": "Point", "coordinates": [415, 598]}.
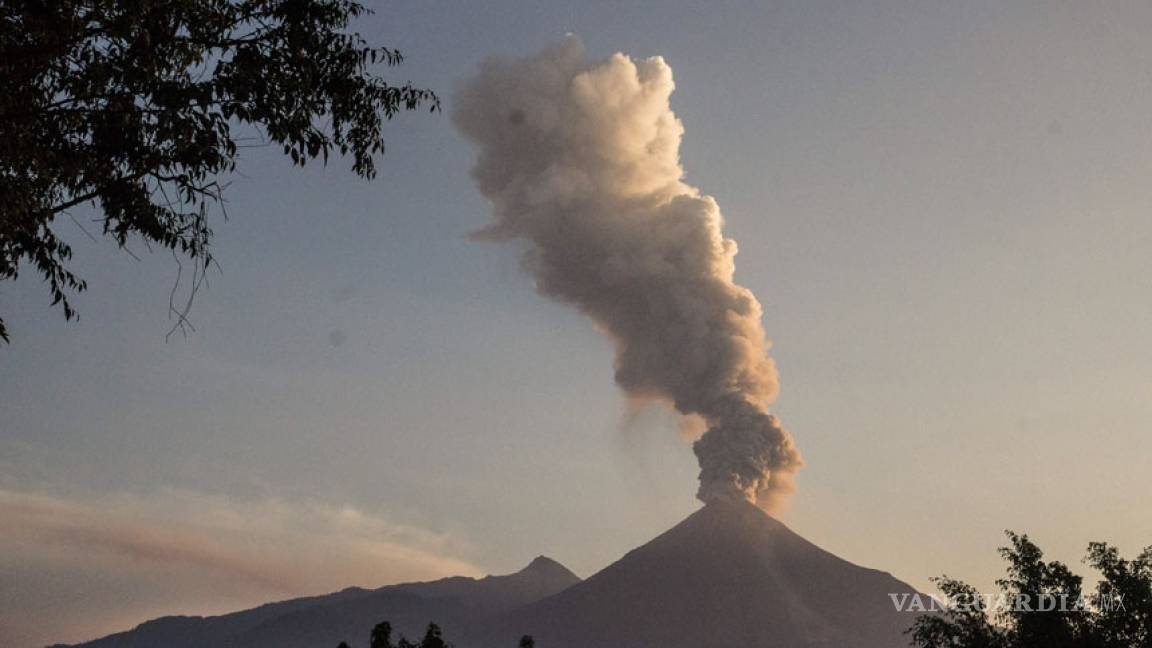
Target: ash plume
{"type": "Point", "coordinates": [581, 159]}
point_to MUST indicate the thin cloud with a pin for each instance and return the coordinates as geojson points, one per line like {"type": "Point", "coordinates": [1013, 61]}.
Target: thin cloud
{"type": "Point", "coordinates": [131, 557]}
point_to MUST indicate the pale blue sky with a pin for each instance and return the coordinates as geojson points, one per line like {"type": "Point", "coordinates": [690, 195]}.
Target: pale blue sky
{"type": "Point", "coordinates": [944, 208]}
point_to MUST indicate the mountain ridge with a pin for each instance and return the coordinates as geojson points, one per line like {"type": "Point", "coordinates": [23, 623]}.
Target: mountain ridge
{"type": "Point", "coordinates": [349, 613]}
{"type": "Point", "coordinates": [728, 575]}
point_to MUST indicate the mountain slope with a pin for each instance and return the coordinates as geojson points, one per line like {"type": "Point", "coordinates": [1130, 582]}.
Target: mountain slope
{"type": "Point", "coordinates": [729, 575]}
{"type": "Point", "coordinates": [455, 604]}
{"type": "Point", "coordinates": [319, 621]}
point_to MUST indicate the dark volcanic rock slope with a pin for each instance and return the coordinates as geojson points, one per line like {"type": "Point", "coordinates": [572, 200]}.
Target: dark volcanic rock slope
{"type": "Point", "coordinates": [727, 576]}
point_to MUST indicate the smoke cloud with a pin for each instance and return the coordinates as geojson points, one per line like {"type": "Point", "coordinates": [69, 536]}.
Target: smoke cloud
{"type": "Point", "coordinates": [581, 160]}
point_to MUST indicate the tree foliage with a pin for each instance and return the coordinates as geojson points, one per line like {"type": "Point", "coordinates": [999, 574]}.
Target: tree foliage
{"type": "Point", "coordinates": [132, 106]}
{"type": "Point", "coordinates": [381, 637]}
{"type": "Point", "coordinates": [1117, 615]}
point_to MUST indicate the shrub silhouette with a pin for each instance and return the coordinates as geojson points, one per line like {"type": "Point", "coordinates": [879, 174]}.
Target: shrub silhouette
{"type": "Point", "coordinates": [381, 637]}
{"type": "Point", "coordinates": [1043, 605]}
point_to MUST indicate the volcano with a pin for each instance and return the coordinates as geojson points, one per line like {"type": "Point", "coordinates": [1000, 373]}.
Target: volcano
{"type": "Point", "coordinates": [728, 575]}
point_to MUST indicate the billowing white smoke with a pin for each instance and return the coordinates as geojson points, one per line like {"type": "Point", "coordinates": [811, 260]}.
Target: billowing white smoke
{"type": "Point", "coordinates": [581, 159]}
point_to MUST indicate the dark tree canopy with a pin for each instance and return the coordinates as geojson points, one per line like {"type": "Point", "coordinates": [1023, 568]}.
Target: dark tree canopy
{"type": "Point", "coordinates": [432, 638]}
{"type": "Point", "coordinates": [1117, 615]}
{"type": "Point", "coordinates": [131, 106]}
{"type": "Point", "coordinates": [381, 637]}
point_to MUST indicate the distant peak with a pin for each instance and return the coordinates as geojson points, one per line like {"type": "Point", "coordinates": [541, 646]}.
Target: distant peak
{"type": "Point", "coordinates": [542, 562]}
{"type": "Point", "coordinates": [545, 566]}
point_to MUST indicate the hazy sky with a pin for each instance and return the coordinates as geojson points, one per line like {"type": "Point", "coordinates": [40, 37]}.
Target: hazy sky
{"type": "Point", "coordinates": [945, 209]}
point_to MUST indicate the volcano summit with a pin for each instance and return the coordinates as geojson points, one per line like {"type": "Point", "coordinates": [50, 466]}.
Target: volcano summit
{"type": "Point", "coordinates": [728, 575]}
